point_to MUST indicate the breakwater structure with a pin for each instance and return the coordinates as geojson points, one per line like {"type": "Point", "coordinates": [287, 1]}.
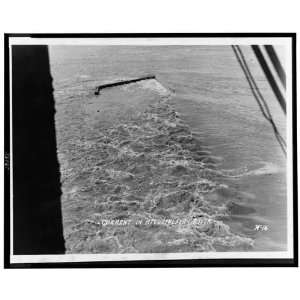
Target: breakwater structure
{"type": "Point", "coordinates": [121, 82]}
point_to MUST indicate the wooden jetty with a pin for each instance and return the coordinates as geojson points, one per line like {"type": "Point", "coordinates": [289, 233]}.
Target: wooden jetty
{"type": "Point", "coordinates": [121, 82]}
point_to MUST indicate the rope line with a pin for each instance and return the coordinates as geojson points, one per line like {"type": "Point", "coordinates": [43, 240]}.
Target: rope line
{"type": "Point", "coordinates": [258, 96]}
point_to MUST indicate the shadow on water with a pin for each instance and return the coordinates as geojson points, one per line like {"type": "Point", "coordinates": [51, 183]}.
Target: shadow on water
{"type": "Point", "coordinates": [37, 217]}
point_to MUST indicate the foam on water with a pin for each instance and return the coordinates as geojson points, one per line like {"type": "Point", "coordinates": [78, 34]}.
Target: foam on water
{"type": "Point", "coordinates": [154, 85]}
{"type": "Point", "coordinates": [267, 168]}
{"type": "Point", "coordinates": [153, 168]}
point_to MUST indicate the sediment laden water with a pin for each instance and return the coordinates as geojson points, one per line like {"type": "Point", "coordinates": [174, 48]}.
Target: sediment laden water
{"type": "Point", "coordinates": [153, 190]}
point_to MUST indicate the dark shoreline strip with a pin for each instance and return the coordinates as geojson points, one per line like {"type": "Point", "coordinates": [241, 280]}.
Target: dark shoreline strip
{"type": "Point", "coordinates": [103, 86]}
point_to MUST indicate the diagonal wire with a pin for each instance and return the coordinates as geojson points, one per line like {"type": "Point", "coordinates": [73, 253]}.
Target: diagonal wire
{"type": "Point", "coordinates": [258, 96]}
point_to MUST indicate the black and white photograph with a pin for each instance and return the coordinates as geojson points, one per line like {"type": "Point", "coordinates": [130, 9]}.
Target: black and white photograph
{"type": "Point", "coordinates": [150, 149]}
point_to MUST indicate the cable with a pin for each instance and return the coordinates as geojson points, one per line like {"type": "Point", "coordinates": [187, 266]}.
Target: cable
{"type": "Point", "coordinates": [276, 63]}
{"type": "Point", "coordinates": [260, 99]}
{"type": "Point", "coordinates": [258, 96]}
{"type": "Point", "coordinates": [264, 65]}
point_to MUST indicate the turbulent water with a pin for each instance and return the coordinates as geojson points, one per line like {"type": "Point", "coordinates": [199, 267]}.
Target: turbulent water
{"type": "Point", "coordinates": [199, 160]}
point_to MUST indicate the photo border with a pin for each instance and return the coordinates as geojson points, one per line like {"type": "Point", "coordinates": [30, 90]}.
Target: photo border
{"type": "Point", "coordinates": [241, 262]}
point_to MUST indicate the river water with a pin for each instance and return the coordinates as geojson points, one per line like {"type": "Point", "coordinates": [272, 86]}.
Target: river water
{"type": "Point", "coordinates": [214, 99]}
